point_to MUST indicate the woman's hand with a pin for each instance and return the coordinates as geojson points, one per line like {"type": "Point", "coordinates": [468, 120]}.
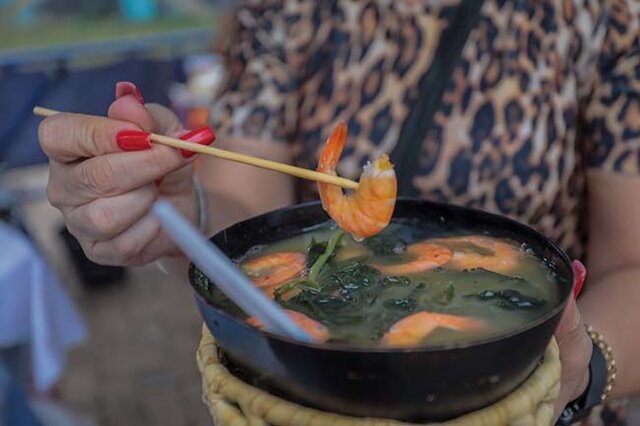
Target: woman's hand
{"type": "Point", "coordinates": [575, 355]}
{"type": "Point", "coordinates": [104, 193]}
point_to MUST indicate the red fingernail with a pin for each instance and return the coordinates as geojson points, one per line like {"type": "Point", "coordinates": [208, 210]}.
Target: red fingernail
{"type": "Point", "coordinates": [201, 136]}
{"type": "Point", "coordinates": [124, 88]}
{"type": "Point", "coordinates": [133, 140]}
{"type": "Point", "coordinates": [580, 274]}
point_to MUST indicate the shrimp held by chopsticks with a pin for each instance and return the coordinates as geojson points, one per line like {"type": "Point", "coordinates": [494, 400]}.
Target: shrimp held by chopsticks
{"type": "Point", "coordinates": [368, 210]}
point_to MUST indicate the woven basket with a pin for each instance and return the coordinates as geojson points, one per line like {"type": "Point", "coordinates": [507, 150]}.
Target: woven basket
{"type": "Point", "coordinates": [233, 402]}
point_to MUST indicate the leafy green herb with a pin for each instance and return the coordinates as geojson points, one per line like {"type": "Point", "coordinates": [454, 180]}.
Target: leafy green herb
{"type": "Point", "coordinates": [356, 275]}
{"type": "Point", "coordinates": [510, 299]}
{"type": "Point", "coordinates": [386, 244]}
{"type": "Point", "coordinates": [395, 280]}
{"type": "Point", "coordinates": [324, 257]}
{"type": "Point", "coordinates": [299, 284]}
{"type": "Point", "coordinates": [407, 304]}
{"type": "Point", "coordinates": [315, 250]}
{"type": "Point", "coordinates": [349, 296]}
{"type": "Point", "coordinates": [319, 255]}
{"type": "Point", "coordinates": [445, 295]}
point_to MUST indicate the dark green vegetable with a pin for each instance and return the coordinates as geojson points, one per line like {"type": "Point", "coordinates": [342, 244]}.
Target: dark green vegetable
{"type": "Point", "coordinates": [352, 294]}
{"type": "Point", "coordinates": [315, 250]}
{"type": "Point", "coordinates": [319, 253]}
{"type": "Point", "coordinates": [324, 257]}
{"type": "Point", "coordinates": [386, 244]}
{"type": "Point", "coordinates": [510, 299]}
{"type": "Point", "coordinates": [394, 280]}
{"type": "Point", "coordinates": [356, 275]}
{"type": "Point", "coordinates": [445, 294]}
{"type": "Point", "coordinates": [408, 304]}
{"type": "Point", "coordinates": [299, 284]}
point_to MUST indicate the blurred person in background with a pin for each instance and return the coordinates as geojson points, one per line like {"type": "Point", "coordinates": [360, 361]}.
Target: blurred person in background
{"type": "Point", "coordinates": [539, 120]}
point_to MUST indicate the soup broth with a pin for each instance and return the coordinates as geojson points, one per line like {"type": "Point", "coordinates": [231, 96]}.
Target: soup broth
{"type": "Point", "coordinates": [358, 295]}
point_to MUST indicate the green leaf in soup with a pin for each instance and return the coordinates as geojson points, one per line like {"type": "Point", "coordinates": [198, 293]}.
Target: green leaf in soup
{"type": "Point", "coordinates": [407, 304]}
{"type": "Point", "coordinates": [445, 294]}
{"type": "Point", "coordinates": [295, 285]}
{"type": "Point", "coordinates": [322, 259]}
{"type": "Point", "coordinates": [356, 275]}
{"type": "Point", "coordinates": [314, 251]}
{"type": "Point", "coordinates": [386, 244]}
{"type": "Point", "coordinates": [510, 299]}
{"type": "Point", "coordinates": [304, 302]}
{"type": "Point", "coordinates": [396, 280]}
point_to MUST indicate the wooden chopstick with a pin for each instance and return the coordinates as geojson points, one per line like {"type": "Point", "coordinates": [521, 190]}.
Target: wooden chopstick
{"type": "Point", "coordinates": [234, 156]}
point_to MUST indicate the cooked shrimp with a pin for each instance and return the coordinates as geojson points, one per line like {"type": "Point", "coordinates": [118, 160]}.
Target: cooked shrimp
{"type": "Point", "coordinates": [411, 330]}
{"type": "Point", "coordinates": [367, 211]}
{"type": "Point", "coordinates": [427, 256]}
{"type": "Point", "coordinates": [317, 331]}
{"type": "Point", "coordinates": [272, 270]}
{"type": "Point", "coordinates": [476, 251]}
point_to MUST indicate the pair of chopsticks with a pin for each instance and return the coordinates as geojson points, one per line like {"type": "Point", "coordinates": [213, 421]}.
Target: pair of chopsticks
{"type": "Point", "coordinates": [239, 158]}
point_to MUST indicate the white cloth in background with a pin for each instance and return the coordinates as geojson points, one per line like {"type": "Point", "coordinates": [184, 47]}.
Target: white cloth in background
{"type": "Point", "coordinates": [35, 308]}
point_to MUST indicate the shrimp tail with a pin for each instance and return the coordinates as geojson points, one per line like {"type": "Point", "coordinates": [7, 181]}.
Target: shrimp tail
{"type": "Point", "coordinates": [333, 148]}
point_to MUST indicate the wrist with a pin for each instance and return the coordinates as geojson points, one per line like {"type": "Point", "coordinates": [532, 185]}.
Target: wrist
{"type": "Point", "coordinates": [598, 382]}
{"type": "Point", "coordinates": [583, 387]}
{"type": "Point", "coordinates": [175, 266]}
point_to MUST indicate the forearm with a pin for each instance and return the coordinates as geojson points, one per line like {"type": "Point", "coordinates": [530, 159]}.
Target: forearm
{"type": "Point", "coordinates": [238, 191]}
{"type": "Point", "coordinates": [225, 210]}
{"type": "Point", "coordinates": [611, 305]}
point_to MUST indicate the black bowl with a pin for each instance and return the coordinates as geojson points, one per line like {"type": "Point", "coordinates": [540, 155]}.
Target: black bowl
{"type": "Point", "coordinates": [432, 383]}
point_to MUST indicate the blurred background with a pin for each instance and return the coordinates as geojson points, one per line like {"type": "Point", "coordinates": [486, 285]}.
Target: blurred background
{"type": "Point", "coordinates": [82, 344]}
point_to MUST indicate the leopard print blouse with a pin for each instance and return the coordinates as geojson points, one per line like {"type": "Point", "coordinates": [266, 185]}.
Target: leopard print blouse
{"type": "Point", "coordinates": [544, 90]}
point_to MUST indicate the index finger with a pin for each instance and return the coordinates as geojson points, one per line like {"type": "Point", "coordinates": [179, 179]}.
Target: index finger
{"type": "Point", "coordinates": [67, 137]}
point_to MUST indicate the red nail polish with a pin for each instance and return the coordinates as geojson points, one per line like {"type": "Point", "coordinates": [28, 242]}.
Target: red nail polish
{"type": "Point", "coordinates": [580, 274]}
{"type": "Point", "coordinates": [133, 140]}
{"type": "Point", "coordinates": [124, 88]}
{"type": "Point", "coordinates": [201, 136]}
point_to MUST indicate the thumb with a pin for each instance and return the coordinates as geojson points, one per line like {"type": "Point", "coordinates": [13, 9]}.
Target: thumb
{"type": "Point", "coordinates": [570, 323]}
{"type": "Point", "coordinates": [129, 106]}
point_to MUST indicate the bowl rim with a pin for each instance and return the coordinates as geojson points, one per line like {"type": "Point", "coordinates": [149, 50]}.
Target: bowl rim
{"type": "Point", "coordinates": [345, 347]}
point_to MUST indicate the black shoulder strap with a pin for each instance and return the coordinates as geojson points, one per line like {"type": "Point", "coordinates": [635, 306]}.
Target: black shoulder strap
{"type": "Point", "coordinates": [431, 88]}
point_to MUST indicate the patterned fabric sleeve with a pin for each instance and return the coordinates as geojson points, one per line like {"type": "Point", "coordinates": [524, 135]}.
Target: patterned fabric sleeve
{"type": "Point", "coordinates": [264, 56]}
{"type": "Point", "coordinates": [612, 113]}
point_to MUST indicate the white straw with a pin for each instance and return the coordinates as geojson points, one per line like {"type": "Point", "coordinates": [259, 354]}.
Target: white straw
{"type": "Point", "coordinates": [226, 276]}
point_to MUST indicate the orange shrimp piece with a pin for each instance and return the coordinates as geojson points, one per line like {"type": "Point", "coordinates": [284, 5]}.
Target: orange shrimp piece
{"type": "Point", "coordinates": [427, 256]}
{"type": "Point", "coordinates": [367, 211]}
{"type": "Point", "coordinates": [270, 271]}
{"type": "Point", "coordinates": [503, 258]}
{"type": "Point", "coordinates": [411, 330]}
{"type": "Point", "coordinates": [316, 330]}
